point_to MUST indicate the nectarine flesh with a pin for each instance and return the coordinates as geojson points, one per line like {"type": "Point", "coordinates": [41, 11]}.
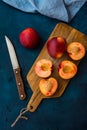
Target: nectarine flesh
{"type": "Point", "coordinates": [48, 86]}
{"type": "Point", "coordinates": [43, 68]}
{"type": "Point", "coordinates": [76, 50]}
{"type": "Point", "coordinates": [67, 69]}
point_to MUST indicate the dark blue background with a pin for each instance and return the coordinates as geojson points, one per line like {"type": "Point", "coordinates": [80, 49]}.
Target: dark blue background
{"type": "Point", "coordinates": [68, 112]}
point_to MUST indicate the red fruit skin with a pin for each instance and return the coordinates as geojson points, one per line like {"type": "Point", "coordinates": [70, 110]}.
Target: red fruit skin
{"type": "Point", "coordinates": [56, 46]}
{"type": "Point", "coordinates": [29, 38]}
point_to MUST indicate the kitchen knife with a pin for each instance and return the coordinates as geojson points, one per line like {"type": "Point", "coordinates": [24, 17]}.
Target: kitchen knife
{"type": "Point", "coordinates": [16, 68]}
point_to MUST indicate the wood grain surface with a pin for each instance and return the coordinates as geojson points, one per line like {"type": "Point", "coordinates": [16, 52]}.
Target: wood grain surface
{"type": "Point", "coordinates": [20, 84]}
{"type": "Point", "coordinates": [71, 35]}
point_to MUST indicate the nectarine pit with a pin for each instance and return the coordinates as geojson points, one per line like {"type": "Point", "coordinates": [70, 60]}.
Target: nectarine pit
{"type": "Point", "coordinates": [48, 86]}
{"type": "Point", "coordinates": [45, 67]}
{"type": "Point", "coordinates": [75, 50]}
{"type": "Point", "coordinates": [67, 69]}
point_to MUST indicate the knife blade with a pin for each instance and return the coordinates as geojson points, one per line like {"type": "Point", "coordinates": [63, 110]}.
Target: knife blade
{"type": "Point", "coordinates": [16, 69]}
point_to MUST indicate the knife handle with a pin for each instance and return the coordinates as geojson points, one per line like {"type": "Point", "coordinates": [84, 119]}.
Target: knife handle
{"type": "Point", "coordinates": [20, 84]}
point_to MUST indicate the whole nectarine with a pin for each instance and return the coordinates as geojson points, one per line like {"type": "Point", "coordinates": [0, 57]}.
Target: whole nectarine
{"type": "Point", "coordinates": [56, 47]}
{"type": "Point", "coordinates": [29, 38]}
{"type": "Point", "coordinates": [76, 50]}
{"type": "Point", "coordinates": [48, 86]}
{"type": "Point", "coordinates": [43, 68]}
{"type": "Point", "coordinates": [67, 69]}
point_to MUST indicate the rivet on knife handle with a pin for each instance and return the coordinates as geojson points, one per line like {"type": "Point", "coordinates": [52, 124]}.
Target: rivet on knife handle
{"type": "Point", "coordinates": [20, 84]}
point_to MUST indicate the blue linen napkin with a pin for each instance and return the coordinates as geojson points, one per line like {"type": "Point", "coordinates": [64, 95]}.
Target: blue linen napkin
{"type": "Point", "coordinates": [63, 10]}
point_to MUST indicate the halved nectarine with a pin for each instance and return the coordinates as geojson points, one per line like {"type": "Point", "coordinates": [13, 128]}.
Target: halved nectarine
{"type": "Point", "coordinates": [67, 69]}
{"type": "Point", "coordinates": [76, 50]}
{"type": "Point", "coordinates": [43, 68]}
{"type": "Point", "coordinates": [56, 46]}
{"type": "Point", "coordinates": [48, 86]}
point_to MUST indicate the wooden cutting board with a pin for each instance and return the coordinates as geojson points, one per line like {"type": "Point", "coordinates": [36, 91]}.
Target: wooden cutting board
{"type": "Point", "coordinates": [71, 35]}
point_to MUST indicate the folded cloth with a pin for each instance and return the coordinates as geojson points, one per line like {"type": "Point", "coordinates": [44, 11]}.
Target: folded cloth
{"type": "Point", "coordinates": [63, 10]}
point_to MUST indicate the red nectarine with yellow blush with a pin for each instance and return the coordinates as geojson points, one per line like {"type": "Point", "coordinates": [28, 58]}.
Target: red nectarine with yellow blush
{"type": "Point", "coordinates": [48, 86]}
{"type": "Point", "coordinates": [76, 50]}
{"type": "Point", "coordinates": [29, 38]}
{"type": "Point", "coordinates": [67, 69]}
{"type": "Point", "coordinates": [43, 68]}
{"type": "Point", "coordinates": [56, 47]}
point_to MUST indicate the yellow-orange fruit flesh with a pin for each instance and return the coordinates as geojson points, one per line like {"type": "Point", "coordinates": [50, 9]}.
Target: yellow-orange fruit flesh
{"type": "Point", "coordinates": [43, 68]}
{"type": "Point", "coordinates": [48, 86]}
{"type": "Point", "coordinates": [76, 50]}
{"type": "Point", "coordinates": [67, 69]}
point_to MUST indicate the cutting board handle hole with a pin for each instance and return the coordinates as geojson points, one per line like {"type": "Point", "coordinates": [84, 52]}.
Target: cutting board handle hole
{"type": "Point", "coordinates": [31, 107]}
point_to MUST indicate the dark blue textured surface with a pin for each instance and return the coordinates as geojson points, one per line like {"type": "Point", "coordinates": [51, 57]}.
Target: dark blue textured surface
{"type": "Point", "coordinates": [68, 112]}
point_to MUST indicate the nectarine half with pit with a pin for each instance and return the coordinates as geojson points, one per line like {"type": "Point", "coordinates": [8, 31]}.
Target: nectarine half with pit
{"type": "Point", "coordinates": [76, 50]}
{"type": "Point", "coordinates": [67, 69]}
{"type": "Point", "coordinates": [56, 47]}
{"type": "Point", "coordinates": [48, 86]}
{"type": "Point", "coordinates": [43, 68]}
